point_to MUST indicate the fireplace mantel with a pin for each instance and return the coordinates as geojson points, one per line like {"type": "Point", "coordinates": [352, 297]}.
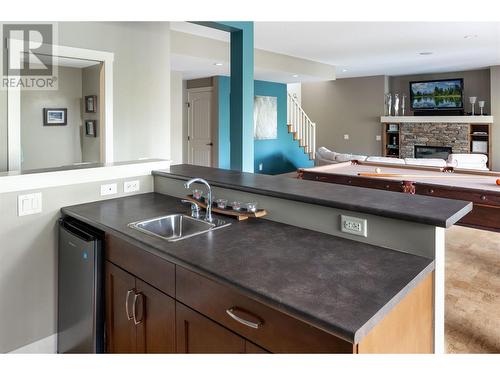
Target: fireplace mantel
{"type": "Point", "coordinates": [438, 119]}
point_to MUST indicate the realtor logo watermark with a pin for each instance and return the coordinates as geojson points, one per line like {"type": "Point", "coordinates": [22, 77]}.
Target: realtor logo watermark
{"type": "Point", "coordinates": [28, 56]}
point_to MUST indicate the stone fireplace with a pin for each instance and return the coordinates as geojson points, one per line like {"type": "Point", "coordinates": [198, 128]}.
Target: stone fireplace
{"type": "Point", "coordinates": [454, 135]}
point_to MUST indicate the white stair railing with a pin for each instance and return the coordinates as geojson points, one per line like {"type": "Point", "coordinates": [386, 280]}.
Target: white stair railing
{"type": "Point", "coordinates": [301, 126]}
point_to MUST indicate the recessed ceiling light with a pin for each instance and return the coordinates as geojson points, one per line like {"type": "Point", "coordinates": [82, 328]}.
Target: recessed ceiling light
{"type": "Point", "coordinates": [425, 53]}
{"type": "Point", "coordinates": [344, 70]}
{"type": "Point", "coordinates": [218, 64]}
{"type": "Point", "coordinates": [470, 36]}
{"type": "Point", "coordinates": [295, 75]}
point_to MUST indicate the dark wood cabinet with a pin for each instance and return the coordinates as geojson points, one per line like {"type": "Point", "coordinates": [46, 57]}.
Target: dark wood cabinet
{"type": "Point", "coordinates": [139, 318]}
{"type": "Point", "coordinates": [161, 307]}
{"type": "Point", "coordinates": [198, 334]}
{"type": "Point", "coordinates": [120, 329]}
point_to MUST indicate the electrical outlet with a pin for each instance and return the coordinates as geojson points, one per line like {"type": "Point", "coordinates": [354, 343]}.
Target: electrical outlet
{"type": "Point", "coordinates": [353, 225]}
{"type": "Point", "coordinates": [29, 204]}
{"type": "Point", "coordinates": [131, 186]}
{"type": "Point", "coordinates": [261, 166]}
{"type": "Point", "coordinates": [378, 137]}
{"type": "Point", "coordinates": [346, 137]}
{"type": "Point", "coordinates": [108, 189]}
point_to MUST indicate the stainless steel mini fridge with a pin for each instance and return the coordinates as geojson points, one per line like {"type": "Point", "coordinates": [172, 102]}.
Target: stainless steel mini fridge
{"type": "Point", "coordinates": [80, 319]}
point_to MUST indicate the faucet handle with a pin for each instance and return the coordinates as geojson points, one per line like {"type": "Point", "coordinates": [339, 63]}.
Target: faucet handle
{"type": "Point", "coordinates": [195, 208]}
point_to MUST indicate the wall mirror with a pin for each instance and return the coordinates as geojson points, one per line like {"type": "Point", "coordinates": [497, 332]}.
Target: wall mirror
{"type": "Point", "coordinates": [62, 128]}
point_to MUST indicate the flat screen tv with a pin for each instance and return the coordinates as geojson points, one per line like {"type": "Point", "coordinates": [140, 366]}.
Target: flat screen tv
{"type": "Point", "coordinates": [442, 94]}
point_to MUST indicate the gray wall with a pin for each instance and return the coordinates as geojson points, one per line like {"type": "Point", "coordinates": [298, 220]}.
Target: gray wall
{"type": "Point", "coordinates": [52, 146]}
{"type": "Point", "coordinates": [476, 83]}
{"type": "Point", "coordinates": [346, 106]}
{"type": "Point", "coordinates": [141, 86]}
{"type": "Point", "coordinates": [91, 146]}
{"type": "Point", "coordinates": [28, 261]}
{"type": "Point", "coordinates": [495, 111]}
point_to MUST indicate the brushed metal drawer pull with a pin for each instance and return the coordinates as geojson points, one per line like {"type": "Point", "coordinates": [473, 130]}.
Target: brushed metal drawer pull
{"type": "Point", "coordinates": [127, 298]}
{"type": "Point", "coordinates": [232, 314]}
{"type": "Point", "coordinates": [134, 311]}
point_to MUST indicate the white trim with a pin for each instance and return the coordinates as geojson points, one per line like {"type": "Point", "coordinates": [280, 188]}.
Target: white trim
{"type": "Point", "coordinates": [439, 290]}
{"type": "Point", "coordinates": [34, 181]}
{"type": "Point", "coordinates": [438, 119]}
{"type": "Point", "coordinates": [47, 345]}
{"type": "Point", "coordinates": [14, 104]}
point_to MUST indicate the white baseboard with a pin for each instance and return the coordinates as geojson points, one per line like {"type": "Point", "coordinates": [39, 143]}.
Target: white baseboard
{"type": "Point", "coordinates": [47, 345]}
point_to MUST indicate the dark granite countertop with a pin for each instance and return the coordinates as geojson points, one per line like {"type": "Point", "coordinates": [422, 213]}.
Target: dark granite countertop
{"type": "Point", "coordinates": [440, 212]}
{"type": "Point", "coordinates": [342, 286]}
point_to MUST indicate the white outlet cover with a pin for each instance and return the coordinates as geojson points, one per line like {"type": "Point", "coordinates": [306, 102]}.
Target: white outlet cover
{"type": "Point", "coordinates": [108, 189]}
{"type": "Point", "coordinates": [131, 186]}
{"type": "Point", "coordinates": [378, 137]}
{"type": "Point", "coordinates": [353, 225]}
{"type": "Point", "coordinates": [29, 204]}
{"type": "Point", "coordinates": [346, 136]}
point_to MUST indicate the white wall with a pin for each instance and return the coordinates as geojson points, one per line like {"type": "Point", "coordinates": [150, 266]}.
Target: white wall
{"type": "Point", "coordinates": [3, 129]}
{"type": "Point", "coordinates": [176, 117]}
{"type": "Point", "coordinates": [295, 89]}
{"type": "Point", "coordinates": [52, 146]}
{"type": "Point", "coordinates": [495, 111]}
{"type": "Point", "coordinates": [141, 86]}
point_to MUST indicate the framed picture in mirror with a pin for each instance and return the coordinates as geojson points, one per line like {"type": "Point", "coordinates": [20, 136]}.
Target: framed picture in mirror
{"type": "Point", "coordinates": [91, 103]}
{"type": "Point", "coordinates": [55, 116]}
{"type": "Point", "coordinates": [91, 128]}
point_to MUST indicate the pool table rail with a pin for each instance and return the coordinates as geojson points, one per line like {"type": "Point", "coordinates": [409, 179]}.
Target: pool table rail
{"type": "Point", "coordinates": [486, 203]}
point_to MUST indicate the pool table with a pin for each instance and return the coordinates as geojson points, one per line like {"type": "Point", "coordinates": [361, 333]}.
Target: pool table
{"type": "Point", "coordinates": [478, 187]}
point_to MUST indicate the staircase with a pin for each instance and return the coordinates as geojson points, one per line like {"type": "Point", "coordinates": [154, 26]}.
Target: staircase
{"type": "Point", "coordinates": [301, 126]}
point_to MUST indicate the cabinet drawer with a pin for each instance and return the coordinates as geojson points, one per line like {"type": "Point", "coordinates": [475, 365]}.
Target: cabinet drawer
{"type": "Point", "coordinates": [267, 327]}
{"type": "Point", "coordinates": [148, 267]}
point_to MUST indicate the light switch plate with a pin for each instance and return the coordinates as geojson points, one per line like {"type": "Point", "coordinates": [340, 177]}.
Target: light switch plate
{"type": "Point", "coordinates": [131, 186]}
{"type": "Point", "coordinates": [378, 137]}
{"type": "Point", "coordinates": [346, 136]}
{"type": "Point", "coordinates": [29, 204]}
{"type": "Point", "coordinates": [108, 189]}
{"type": "Point", "coordinates": [353, 225]}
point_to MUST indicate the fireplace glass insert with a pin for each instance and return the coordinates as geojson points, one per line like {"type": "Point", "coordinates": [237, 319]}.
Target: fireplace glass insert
{"type": "Point", "coordinates": [432, 152]}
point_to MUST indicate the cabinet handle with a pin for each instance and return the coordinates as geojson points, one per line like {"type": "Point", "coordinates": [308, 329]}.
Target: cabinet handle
{"type": "Point", "coordinates": [134, 311]}
{"type": "Point", "coordinates": [232, 313]}
{"type": "Point", "coordinates": [127, 298]}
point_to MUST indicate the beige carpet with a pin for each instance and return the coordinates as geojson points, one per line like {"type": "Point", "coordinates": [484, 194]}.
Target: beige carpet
{"type": "Point", "coordinates": [472, 321]}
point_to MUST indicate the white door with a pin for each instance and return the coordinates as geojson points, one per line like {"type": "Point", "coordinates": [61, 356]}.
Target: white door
{"type": "Point", "coordinates": [200, 142]}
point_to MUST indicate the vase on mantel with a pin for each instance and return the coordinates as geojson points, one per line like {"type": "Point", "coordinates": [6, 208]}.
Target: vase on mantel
{"type": "Point", "coordinates": [396, 104]}
{"type": "Point", "coordinates": [403, 104]}
{"type": "Point", "coordinates": [388, 104]}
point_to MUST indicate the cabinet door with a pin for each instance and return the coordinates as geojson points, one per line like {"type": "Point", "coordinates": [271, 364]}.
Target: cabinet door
{"type": "Point", "coordinates": [197, 334]}
{"type": "Point", "coordinates": [251, 348]}
{"type": "Point", "coordinates": [154, 314]}
{"type": "Point", "coordinates": [120, 328]}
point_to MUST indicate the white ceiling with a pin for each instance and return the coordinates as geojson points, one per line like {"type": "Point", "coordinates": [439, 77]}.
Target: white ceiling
{"type": "Point", "coordinates": [376, 48]}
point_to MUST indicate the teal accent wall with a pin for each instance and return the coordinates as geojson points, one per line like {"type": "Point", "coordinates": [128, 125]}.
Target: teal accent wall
{"type": "Point", "coordinates": [242, 93]}
{"type": "Point", "coordinates": [277, 156]}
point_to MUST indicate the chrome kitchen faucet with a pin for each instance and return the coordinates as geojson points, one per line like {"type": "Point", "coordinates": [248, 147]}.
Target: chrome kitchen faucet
{"type": "Point", "coordinates": [208, 216]}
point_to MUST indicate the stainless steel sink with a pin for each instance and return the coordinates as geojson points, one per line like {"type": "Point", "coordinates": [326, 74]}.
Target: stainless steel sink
{"type": "Point", "coordinates": [176, 227]}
